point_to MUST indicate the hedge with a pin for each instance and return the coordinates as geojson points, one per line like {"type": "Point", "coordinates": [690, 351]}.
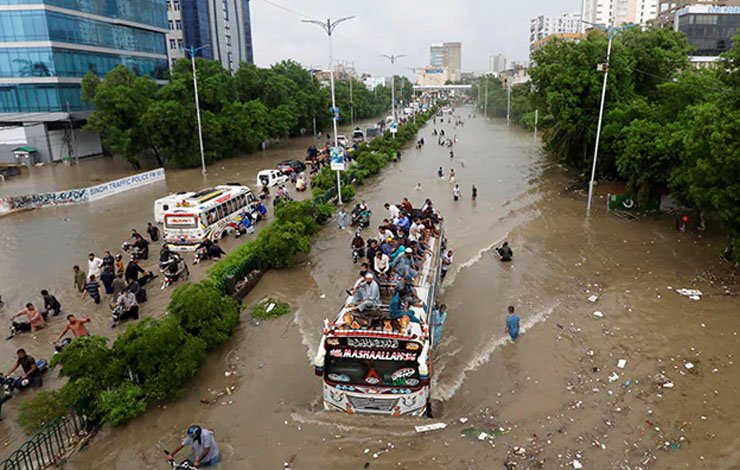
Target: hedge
{"type": "Point", "coordinates": [153, 359]}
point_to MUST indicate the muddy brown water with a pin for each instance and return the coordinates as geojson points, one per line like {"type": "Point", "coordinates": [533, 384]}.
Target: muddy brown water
{"type": "Point", "coordinates": [542, 402]}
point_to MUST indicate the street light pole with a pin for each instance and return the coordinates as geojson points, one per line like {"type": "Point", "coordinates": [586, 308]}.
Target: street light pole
{"type": "Point", "coordinates": [485, 102]}
{"type": "Point", "coordinates": [329, 27]}
{"type": "Point", "coordinates": [192, 50]}
{"type": "Point", "coordinates": [611, 32]}
{"type": "Point", "coordinates": [393, 58]}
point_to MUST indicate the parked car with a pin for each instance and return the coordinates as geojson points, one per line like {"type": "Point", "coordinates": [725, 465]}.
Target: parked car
{"type": "Point", "coordinates": [268, 178]}
{"type": "Point", "coordinates": [291, 166]}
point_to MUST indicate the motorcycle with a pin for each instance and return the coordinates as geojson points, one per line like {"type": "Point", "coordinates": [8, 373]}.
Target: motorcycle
{"type": "Point", "coordinates": [184, 465]}
{"type": "Point", "coordinates": [360, 217]}
{"type": "Point", "coordinates": [171, 271]}
{"type": "Point", "coordinates": [12, 384]}
{"type": "Point", "coordinates": [61, 345]}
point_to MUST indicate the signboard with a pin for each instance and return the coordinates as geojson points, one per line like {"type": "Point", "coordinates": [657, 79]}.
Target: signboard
{"type": "Point", "coordinates": [337, 159]}
{"type": "Point", "coordinates": [130, 182]}
{"type": "Point", "coordinates": [394, 127]}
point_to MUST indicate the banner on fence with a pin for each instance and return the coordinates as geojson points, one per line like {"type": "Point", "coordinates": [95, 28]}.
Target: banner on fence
{"type": "Point", "coordinates": [76, 196]}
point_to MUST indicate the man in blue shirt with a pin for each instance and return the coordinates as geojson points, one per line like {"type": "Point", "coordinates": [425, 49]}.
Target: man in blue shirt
{"type": "Point", "coordinates": [512, 323]}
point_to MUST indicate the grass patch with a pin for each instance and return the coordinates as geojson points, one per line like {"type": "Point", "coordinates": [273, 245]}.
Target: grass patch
{"type": "Point", "coordinates": [270, 308]}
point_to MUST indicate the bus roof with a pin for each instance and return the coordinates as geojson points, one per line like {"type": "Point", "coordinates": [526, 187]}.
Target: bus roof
{"type": "Point", "coordinates": [209, 197]}
{"type": "Point", "coordinates": [425, 281]}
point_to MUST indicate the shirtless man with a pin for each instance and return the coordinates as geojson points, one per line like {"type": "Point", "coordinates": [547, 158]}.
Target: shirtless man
{"type": "Point", "coordinates": [76, 326]}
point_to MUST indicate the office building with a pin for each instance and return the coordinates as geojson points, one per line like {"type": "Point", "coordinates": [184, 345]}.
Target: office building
{"type": "Point", "coordinates": [709, 29]}
{"type": "Point", "coordinates": [667, 9]}
{"type": "Point", "coordinates": [618, 12]}
{"type": "Point", "coordinates": [497, 63]}
{"type": "Point", "coordinates": [447, 55]}
{"type": "Point", "coordinates": [46, 48]}
{"type": "Point", "coordinates": [223, 28]}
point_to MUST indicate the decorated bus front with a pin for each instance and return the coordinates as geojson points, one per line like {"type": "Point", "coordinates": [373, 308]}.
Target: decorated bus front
{"type": "Point", "coordinates": [369, 374]}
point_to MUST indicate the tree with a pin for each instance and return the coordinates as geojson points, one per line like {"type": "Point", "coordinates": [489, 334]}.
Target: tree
{"type": "Point", "coordinates": [120, 100]}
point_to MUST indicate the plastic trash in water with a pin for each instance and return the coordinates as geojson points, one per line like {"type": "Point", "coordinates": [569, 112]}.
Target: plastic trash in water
{"type": "Point", "coordinates": [430, 427]}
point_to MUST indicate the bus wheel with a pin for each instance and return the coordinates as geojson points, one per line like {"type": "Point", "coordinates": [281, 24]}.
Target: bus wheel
{"type": "Point", "coordinates": [428, 412]}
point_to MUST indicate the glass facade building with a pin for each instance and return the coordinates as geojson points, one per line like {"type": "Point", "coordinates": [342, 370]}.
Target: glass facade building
{"type": "Point", "coordinates": [47, 46]}
{"type": "Point", "coordinates": [224, 27]}
{"type": "Point", "coordinates": [709, 29]}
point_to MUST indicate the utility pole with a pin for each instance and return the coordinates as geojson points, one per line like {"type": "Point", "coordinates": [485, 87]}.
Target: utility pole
{"type": "Point", "coordinates": [393, 59]}
{"type": "Point", "coordinates": [611, 32]}
{"type": "Point", "coordinates": [192, 50]}
{"type": "Point", "coordinates": [73, 148]}
{"type": "Point", "coordinates": [508, 100]}
{"type": "Point", "coordinates": [485, 103]}
{"type": "Point", "coordinates": [328, 27]}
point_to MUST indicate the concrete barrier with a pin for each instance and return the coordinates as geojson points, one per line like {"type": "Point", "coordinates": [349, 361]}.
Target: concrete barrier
{"type": "Point", "coordinates": [77, 196]}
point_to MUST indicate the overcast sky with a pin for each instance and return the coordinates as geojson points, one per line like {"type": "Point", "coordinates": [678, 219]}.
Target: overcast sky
{"type": "Point", "coordinates": [485, 27]}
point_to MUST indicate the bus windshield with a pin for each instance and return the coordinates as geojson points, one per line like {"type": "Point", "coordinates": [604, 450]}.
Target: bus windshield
{"type": "Point", "coordinates": [368, 372]}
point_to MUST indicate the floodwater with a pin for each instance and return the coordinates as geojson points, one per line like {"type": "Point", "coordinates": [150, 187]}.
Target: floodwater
{"type": "Point", "coordinates": [544, 401]}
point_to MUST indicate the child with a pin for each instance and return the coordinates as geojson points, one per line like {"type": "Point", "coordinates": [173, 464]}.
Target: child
{"type": "Point", "coordinates": [512, 323]}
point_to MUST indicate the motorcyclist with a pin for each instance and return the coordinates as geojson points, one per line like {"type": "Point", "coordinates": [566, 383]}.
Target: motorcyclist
{"type": "Point", "coordinates": [203, 444]}
{"type": "Point", "coordinates": [30, 369]}
{"type": "Point", "coordinates": [358, 245]}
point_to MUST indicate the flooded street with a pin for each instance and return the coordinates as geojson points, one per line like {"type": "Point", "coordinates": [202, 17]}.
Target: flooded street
{"type": "Point", "coordinates": [554, 397]}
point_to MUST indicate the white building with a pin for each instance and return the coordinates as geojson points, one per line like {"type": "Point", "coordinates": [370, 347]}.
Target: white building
{"type": "Point", "coordinates": [618, 12]}
{"type": "Point", "coordinates": [497, 63]}
{"type": "Point", "coordinates": [544, 26]}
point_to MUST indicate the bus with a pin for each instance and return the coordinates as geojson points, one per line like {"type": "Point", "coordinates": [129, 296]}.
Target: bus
{"type": "Point", "coordinates": [384, 367]}
{"type": "Point", "coordinates": [207, 214]}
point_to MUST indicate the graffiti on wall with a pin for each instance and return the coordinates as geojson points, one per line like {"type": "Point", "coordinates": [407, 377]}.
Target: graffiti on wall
{"type": "Point", "coordinates": [77, 196]}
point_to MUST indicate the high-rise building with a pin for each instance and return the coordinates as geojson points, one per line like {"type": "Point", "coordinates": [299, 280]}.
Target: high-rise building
{"type": "Point", "coordinates": [447, 55]}
{"type": "Point", "coordinates": [497, 63]}
{"type": "Point", "coordinates": [618, 12]}
{"type": "Point", "coordinates": [545, 26]}
{"type": "Point", "coordinates": [667, 9]}
{"type": "Point", "coordinates": [47, 47]}
{"type": "Point", "coordinates": [223, 26]}
{"type": "Point", "coordinates": [709, 30]}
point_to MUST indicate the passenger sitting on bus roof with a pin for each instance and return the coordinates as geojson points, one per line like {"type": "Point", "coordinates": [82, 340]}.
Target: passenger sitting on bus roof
{"type": "Point", "coordinates": [367, 294]}
{"type": "Point", "coordinates": [381, 264]}
{"type": "Point", "coordinates": [403, 223]}
{"type": "Point", "coordinates": [405, 289]}
{"type": "Point", "coordinates": [397, 310]}
{"type": "Point", "coordinates": [398, 248]}
{"type": "Point", "coordinates": [403, 264]}
{"type": "Point", "coordinates": [407, 206]}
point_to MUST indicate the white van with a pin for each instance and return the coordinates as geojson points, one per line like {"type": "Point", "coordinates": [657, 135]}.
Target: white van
{"type": "Point", "coordinates": [269, 178]}
{"type": "Point", "coordinates": [166, 203]}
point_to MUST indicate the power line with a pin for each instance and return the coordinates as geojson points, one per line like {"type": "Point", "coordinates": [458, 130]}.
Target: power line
{"type": "Point", "coordinates": [284, 8]}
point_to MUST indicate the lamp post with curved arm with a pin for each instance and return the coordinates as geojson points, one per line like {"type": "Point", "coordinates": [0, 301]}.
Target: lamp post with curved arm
{"type": "Point", "coordinates": [329, 27]}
